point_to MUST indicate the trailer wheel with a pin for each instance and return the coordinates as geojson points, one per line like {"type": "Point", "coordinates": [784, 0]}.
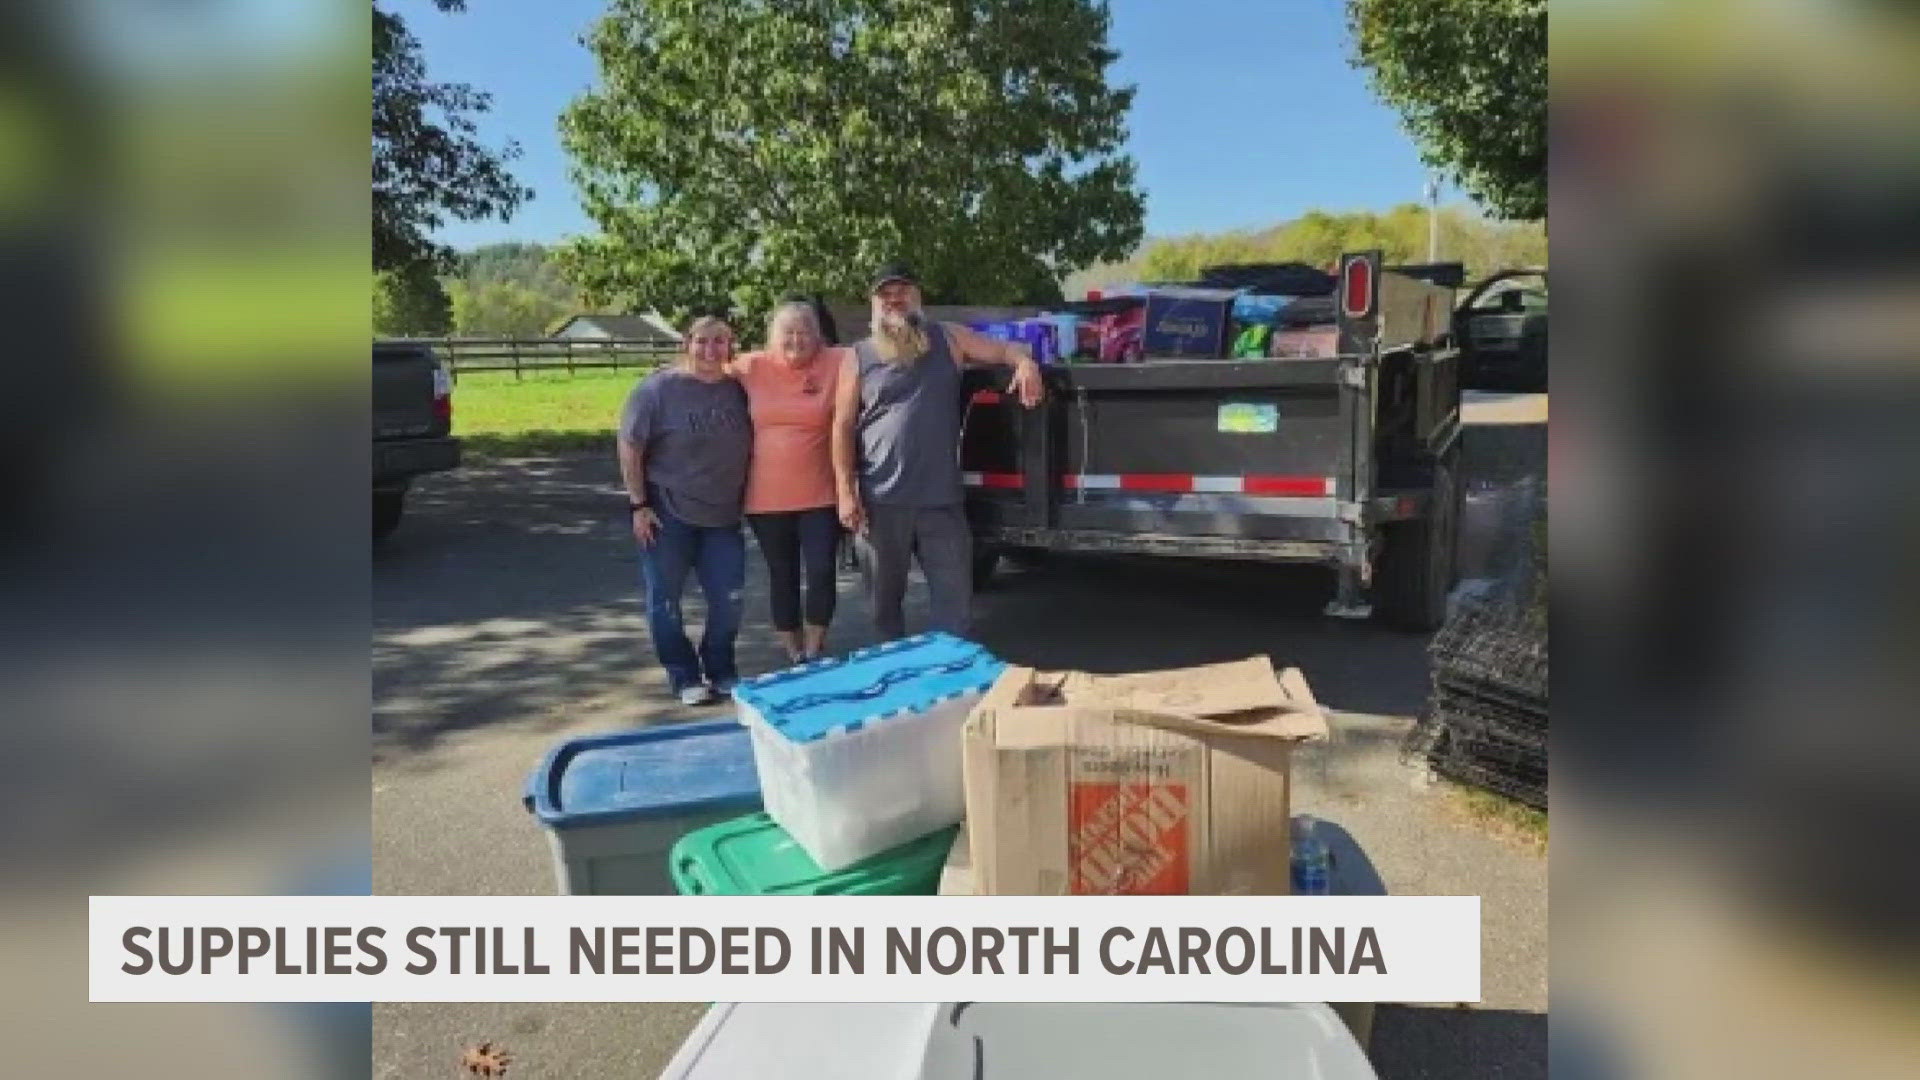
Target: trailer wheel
{"type": "Point", "coordinates": [1417, 564]}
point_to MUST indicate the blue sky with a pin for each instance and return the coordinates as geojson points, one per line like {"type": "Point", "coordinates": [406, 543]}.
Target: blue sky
{"type": "Point", "coordinates": [1246, 111]}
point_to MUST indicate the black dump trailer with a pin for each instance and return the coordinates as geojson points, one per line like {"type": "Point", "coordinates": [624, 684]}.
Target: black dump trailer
{"type": "Point", "coordinates": [1350, 459]}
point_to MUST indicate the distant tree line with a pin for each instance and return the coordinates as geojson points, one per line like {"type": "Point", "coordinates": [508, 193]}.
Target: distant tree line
{"type": "Point", "coordinates": [510, 289]}
{"type": "Point", "coordinates": [1318, 237]}
{"type": "Point", "coordinates": [520, 289]}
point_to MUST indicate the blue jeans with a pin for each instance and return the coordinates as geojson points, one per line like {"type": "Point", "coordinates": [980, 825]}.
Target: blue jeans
{"type": "Point", "coordinates": [718, 557]}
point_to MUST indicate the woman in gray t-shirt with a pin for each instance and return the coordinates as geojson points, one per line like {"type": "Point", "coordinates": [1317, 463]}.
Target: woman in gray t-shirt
{"type": "Point", "coordinates": [685, 437]}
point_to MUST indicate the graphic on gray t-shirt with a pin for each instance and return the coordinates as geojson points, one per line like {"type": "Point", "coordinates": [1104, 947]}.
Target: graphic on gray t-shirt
{"type": "Point", "coordinates": [696, 437]}
{"type": "Point", "coordinates": [909, 426]}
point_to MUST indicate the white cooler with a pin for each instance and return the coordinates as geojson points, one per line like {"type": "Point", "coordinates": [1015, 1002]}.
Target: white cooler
{"type": "Point", "coordinates": [966, 1040]}
{"type": "Point", "coordinates": [860, 755]}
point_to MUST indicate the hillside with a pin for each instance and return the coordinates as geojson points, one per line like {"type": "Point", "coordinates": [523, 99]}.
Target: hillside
{"type": "Point", "coordinates": [1318, 237]}
{"type": "Point", "coordinates": [511, 289]}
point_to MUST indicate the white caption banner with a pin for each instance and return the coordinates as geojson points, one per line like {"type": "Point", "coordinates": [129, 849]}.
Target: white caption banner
{"type": "Point", "coordinates": [838, 948]}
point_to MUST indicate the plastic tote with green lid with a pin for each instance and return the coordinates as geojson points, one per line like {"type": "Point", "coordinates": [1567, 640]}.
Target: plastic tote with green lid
{"type": "Point", "coordinates": [753, 856]}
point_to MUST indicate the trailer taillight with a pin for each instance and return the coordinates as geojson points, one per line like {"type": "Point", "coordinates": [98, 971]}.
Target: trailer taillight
{"type": "Point", "coordinates": [1356, 288]}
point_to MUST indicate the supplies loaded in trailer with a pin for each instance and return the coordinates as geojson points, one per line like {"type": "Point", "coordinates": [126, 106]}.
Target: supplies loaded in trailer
{"type": "Point", "coordinates": [1334, 441]}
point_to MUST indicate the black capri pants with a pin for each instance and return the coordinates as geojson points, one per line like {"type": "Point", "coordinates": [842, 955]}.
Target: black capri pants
{"type": "Point", "coordinates": [799, 544]}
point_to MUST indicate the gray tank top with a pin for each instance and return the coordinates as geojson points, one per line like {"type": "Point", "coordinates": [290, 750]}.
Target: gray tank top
{"type": "Point", "coordinates": [910, 426]}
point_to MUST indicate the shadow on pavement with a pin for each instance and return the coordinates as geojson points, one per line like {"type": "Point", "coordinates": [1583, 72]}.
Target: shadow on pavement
{"type": "Point", "coordinates": [1417, 1043]}
{"type": "Point", "coordinates": [1353, 872]}
{"type": "Point", "coordinates": [1115, 615]}
{"type": "Point", "coordinates": [510, 593]}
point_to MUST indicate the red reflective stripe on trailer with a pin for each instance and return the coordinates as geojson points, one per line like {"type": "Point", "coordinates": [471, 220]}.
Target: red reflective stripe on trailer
{"type": "Point", "coordinates": [1184, 484]}
{"type": "Point", "coordinates": [1289, 485]}
{"type": "Point", "coordinates": [1178, 482]}
{"type": "Point", "coordinates": [997, 480]}
{"type": "Point", "coordinates": [986, 397]}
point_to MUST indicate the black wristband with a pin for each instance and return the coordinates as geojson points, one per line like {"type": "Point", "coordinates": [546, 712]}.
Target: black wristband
{"type": "Point", "coordinates": [635, 507]}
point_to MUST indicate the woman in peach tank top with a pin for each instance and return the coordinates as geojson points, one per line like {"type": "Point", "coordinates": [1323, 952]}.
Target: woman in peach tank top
{"type": "Point", "coordinates": [791, 500]}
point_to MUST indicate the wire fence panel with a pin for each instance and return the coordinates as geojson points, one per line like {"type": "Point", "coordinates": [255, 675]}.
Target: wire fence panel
{"type": "Point", "coordinates": [1486, 723]}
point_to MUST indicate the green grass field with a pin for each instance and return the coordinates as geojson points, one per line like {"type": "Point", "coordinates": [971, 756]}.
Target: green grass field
{"type": "Point", "coordinates": [551, 412]}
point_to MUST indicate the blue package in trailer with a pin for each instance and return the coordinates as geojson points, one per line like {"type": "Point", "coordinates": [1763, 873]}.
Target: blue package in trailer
{"type": "Point", "coordinates": [1191, 323]}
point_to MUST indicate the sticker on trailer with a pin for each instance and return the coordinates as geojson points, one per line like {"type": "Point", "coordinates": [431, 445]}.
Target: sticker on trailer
{"type": "Point", "coordinates": [1245, 418]}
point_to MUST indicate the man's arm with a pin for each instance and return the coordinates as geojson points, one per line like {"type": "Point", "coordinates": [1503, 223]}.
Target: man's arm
{"type": "Point", "coordinates": [846, 413]}
{"type": "Point", "coordinates": [972, 347]}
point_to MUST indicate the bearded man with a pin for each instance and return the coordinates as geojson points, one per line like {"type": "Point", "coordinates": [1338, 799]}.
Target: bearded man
{"type": "Point", "coordinates": [896, 451]}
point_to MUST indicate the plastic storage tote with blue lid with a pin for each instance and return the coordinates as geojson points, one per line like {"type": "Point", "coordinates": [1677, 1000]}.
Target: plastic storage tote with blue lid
{"type": "Point", "coordinates": [615, 804]}
{"type": "Point", "coordinates": [862, 754]}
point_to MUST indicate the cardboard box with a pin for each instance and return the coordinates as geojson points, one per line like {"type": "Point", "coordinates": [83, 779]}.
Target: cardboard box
{"type": "Point", "coordinates": [1167, 782]}
{"type": "Point", "coordinates": [1305, 342]}
{"type": "Point", "coordinates": [956, 877]}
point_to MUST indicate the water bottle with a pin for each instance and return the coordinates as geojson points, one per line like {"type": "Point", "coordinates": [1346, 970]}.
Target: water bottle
{"type": "Point", "coordinates": [1312, 862]}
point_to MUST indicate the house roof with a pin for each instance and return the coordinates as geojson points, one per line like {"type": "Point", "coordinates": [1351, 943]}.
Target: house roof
{"type": "Point", "coordinates": [624, 326]}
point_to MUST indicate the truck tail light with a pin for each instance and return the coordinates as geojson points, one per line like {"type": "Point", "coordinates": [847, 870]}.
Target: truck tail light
{"type": "Point", "coordinates": [442, 394]}
{"type": "Point", "coordinates": [1356, 288]}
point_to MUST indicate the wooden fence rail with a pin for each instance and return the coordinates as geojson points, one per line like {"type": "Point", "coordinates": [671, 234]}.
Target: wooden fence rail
{"type": "Point", "coordinates": [521, 355]}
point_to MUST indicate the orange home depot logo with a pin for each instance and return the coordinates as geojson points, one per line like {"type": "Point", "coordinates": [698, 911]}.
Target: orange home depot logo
{"type": "Point", "coordinates": [1128, 839]}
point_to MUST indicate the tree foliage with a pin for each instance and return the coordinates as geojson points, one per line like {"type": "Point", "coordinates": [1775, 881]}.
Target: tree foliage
{"type": "Point", "coordinates": [1469, 79]}
{"type": "Point", "coordinates": [410, 302]}
{"type": "Point", "coordinates": [510, 289]}
{"type": "Point", "coordinates": [1318, 237]}
{"type": "Point", "coordinates": [523, 263]}
{"type": "Point", "coordinates": [504, 309]}
{"type": "Point", "coordinates": [426, 161]}
{"type": "Point", "coordinates": [736, 151]}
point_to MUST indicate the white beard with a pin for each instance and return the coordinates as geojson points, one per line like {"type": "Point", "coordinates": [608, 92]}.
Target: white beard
{"type": "Point", "coordinates": [896, 340]}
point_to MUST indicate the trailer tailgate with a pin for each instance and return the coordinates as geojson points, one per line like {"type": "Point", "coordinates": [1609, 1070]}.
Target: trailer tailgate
{"type": "Point", "coordinates": [1258, 451]}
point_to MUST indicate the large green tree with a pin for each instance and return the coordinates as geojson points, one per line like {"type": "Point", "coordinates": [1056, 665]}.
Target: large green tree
{"type": "Point", "coordinates": [737, 150]}
{"type": "Point", "coordinates": [427, 163]}
{"type": "Point", "coordinates": [1469, 79]}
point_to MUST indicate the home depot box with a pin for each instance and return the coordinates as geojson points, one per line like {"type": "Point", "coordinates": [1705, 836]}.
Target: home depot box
{"type": "Point", "coordinates": [956, 877]}
{"type": "Point", "coordinates": [1164, 782]}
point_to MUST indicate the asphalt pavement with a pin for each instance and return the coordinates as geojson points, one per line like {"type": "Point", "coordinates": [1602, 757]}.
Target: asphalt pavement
{"type": "Point", "coordinates": [507, 617]}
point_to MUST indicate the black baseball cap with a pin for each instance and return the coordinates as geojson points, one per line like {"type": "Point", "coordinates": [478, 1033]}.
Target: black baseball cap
{"type": "Point", "coordinates": [891, 272]}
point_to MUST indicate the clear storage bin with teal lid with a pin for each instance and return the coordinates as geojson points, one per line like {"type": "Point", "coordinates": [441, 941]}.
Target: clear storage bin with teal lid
{"type": "Point", "coordinates": [613, 805]}
{"type": "Point", "coordinates": [862, 754]}
{"type": "Point", "coordinates": [753, 856]}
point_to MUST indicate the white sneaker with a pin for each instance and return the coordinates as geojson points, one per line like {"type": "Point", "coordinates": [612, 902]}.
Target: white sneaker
{"type": "Point", "coordinates": [696, 695]}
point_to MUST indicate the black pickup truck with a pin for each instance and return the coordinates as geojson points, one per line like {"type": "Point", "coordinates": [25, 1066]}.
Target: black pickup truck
{"type": "Point", "coordinates": [412, 421]}
{"type": "Point", "coordinates": [1501, 328]}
